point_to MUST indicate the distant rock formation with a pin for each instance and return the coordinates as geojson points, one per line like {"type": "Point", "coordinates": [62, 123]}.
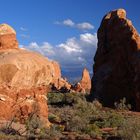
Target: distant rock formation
{"type": "Point", "coordinates": [86, 80]}
{"type": "Point", "coordinates": [84, 85]}
{"type": "Point", "coordinates": [117, 61]}
{"type": "Point", "coordinates": [58, 83]}
{"type": "Point", "coordinates": [24, 77]}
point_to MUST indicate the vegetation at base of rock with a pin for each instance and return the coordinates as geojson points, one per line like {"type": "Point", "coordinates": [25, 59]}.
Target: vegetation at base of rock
{"type": "Point", "coordinates": [122, 105]}
{"type": "Point", "coordinates": [76, 118]}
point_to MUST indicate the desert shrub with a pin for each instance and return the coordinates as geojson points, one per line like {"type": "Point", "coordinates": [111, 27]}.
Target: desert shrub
{"type": "Point", "coordinates": [54, 98]}
{"type": "Point", "coordinates": [10, 137]}
{"type": "Point", "coordinates": [78, 117]}
{"type": "Point", "coordinates": [109, 119]}
{"type": "Point", "coordinates": [130, 129]}
{"type": "Point", "coordinates": [77, 124]}
{"type": "Point", "coordinates": [93, 130]}
{"type": "Point", "coordinates": [33, 125]}
{"type": "Point", "coordinates": [64, 98]}
{"type": "Point", "coordinates": [54, 118]}
{"type": "Point", "coordinates": [9, 131]}
{"type": "Point", "coordinates": [83, 137]}
{"type": "Point", "coordinates": [54, 132]}
{"type": "Point", "coordinates": [87, 119]}
{"type": "Point", "coordinates": [122, 105]}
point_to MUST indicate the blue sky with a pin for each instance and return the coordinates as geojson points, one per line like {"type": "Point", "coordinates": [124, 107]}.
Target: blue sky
{"type": "Point", "coordinates": [51, 26]}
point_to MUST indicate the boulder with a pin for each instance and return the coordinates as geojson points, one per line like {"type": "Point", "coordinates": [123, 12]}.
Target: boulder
{"type": "Point", "coordinates": [117, 61]}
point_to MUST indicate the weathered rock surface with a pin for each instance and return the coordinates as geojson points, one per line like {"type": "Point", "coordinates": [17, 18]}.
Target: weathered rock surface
{"type": "Point", "coordinates": [24, 69]}
{"type": "Point", "coordinates": [7, 37]}
{"type": "Point", "coordinates": [21, 105]}
{"type": "Point", "coordinates": [117, 61]}
{"type": "Point", "coordinates": [58, 83]}
{"type": "Point", "coordinates": [57, 70]}
{"type": "Point", "coordinates": [24, 77]}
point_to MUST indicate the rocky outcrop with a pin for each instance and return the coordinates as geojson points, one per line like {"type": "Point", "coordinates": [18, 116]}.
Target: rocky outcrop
{"type": "Point", "coordinates": [7, 37]}
{"type": "Point", "coordinates": [86, 81]}
{"type": "Point", "coordinates": [117, 61]}
{"type": "Point", "coordinates": [58, 83]}
{"type": "Point", "coordinates": [84, 85]}
{"type": "Point", "coordinates": [24, 77]}
{"type": "Point", "coordinates": [78, 88]}
{"type": "Point", "coordinates": [22, 105]}
{"type": "Point", "coordinates": [22, 69]}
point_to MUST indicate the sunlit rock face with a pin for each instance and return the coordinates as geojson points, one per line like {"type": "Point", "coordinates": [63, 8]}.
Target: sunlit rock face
{"type": "Point", "coordinates": [84, 85]}
{"type": "Point", "coordinates": [24, 77]}
{"type": "Point", "coordinates": [85, 80]}
{"type": "Point", "coordinates": [117, 61]}
{"type": "Point", "coordinates": [7, 37]}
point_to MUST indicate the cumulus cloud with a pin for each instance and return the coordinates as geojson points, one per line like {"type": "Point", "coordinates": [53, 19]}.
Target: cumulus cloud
{"type": "Point", "coordinates": [82, 26]}
{"type": "Point", "coordinates": [85, 26]}
{"type": "Point", "coordinates": [73, 55]}
{"type": "Point", "coordinates": [68, 22]}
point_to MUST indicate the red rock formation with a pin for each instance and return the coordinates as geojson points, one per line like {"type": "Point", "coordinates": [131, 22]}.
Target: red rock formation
{"type": "Point", "coordinates": [84, 85]}
{"type": "Point", "coordinates": [24, 77]}
{"type": "Point", "coordinates": [20, 105]}
{"type": "Point", "coordinates": [78, 88]}
{"type": "Point", "coordinates": [57, 70]}
{"type": "Point", "coordinates": [56, 74]}
{"type": "Point", "coordinates": [117, 61]}
{"type": "Point", "coordinates": [86, 81]}
{"type": "Point", "coordinates": [7, 37]}
{"type": "Point", "coordinates": [58, 82]}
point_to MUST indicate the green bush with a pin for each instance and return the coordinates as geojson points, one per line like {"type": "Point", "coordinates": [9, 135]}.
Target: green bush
{"type": "Point", "coordinates": [130, 129]}
{"type": "Point", "coordinates": [53, 118]}
{"type": "Point", "coordinates": [93, 130]}
{"type": "Point", "coordinates": [84, 118]}
{"type": "Point", "coordinates": [55, 97]}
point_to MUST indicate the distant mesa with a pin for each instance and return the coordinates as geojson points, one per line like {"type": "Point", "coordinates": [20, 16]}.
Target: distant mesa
{"type": "Point", "coordinates": [117, 61]}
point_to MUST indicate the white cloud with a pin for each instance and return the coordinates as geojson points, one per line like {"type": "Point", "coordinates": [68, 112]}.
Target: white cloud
{"type": "Point", "coordinates": [82, 26]}
{"type": "Point", "coordinates": [68, 22]}
{"type": "Point", "coordinates": [85, 26]}
{"type": "Point", "coordinates": [89, 38]}
{"type": "Point", "coordinates": [73, 55]}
